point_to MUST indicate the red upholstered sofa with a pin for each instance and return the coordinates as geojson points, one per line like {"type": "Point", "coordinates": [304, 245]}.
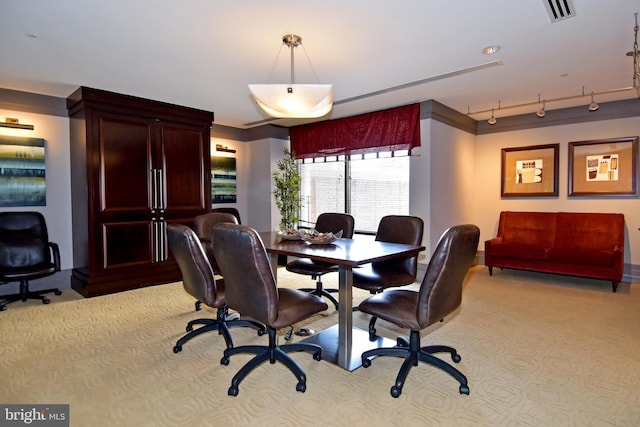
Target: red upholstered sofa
{"type": "Point", "coordinates": [575, 244]}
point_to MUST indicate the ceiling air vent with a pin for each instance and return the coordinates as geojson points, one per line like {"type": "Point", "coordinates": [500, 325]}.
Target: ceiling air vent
{"type": "Point", "coordinates": [559, 9]}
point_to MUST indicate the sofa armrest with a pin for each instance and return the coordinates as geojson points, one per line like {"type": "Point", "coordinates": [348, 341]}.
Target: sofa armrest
{"type": "Point", "coordinates": [495, 240]}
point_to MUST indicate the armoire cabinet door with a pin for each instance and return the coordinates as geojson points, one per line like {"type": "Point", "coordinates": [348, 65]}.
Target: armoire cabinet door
{"type": "Point", "coordinates": [124, 223]}
{"type": "Point", "coordinates": [185, 177]}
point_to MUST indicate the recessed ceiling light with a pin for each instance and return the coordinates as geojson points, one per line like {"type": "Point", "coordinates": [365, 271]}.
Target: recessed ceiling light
{"type": "Point", "coordinates": [490, 50]}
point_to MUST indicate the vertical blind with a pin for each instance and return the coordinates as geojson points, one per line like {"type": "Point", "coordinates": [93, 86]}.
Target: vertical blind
{"type": "Point", "coordinates": [387, 130]}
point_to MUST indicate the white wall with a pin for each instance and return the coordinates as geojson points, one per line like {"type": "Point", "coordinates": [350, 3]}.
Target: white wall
{"type": "Point", "coordinates": [487, 177]}
{"type": "Point", "coordinates": [263, 154]}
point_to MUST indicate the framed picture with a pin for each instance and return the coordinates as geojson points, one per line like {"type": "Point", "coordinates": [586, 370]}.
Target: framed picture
{"type": "Point", "coordinates": [223, 179]}
{"type": "Point", "coordinates": [605, 167]}
{"type": "Point", "coordinates": [530, 171]}
{"type": "Point", "coordinates": [22, 172]}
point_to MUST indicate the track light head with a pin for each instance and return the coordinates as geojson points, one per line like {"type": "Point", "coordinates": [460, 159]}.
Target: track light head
{"type": "Point", "coordinates": [492, 119]}
{"type": "Point", "coordinates": [541, 112]}
{"type": "Point", "coordinates": [593, 106]}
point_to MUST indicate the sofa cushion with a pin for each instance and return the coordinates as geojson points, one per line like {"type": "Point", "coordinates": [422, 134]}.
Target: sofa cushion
{"type": "Point", "coordinates": [527, 228]}
{"type": "Point", "coordinates": [514, 250]}
{"type": "Point", "coordinates": [580, 256]}
{"type": "Point", "coordinates": [595, 231]}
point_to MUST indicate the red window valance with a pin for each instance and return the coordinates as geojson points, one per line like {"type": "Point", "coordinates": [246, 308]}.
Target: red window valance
{"type": "Point", "coordinates": [387, 130]}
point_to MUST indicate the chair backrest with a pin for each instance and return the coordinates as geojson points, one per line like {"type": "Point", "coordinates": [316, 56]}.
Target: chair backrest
{"type": "Point", "coordinates": [334, 222]}
{"type": "Point", "coordinates": [203, 224]}
{"type": "Point", "coordinates": [400, 229]}
{"type": "Point", "coordinates": [249, 282]}
{"type": "Point", "coordinates": [197, 275]}
{"type": "Point", "coordinates": [23, 240]}
{"type": "Point", "coordinates": [232, 211]}
{"type": "Point", "coordinates": [441, 288]}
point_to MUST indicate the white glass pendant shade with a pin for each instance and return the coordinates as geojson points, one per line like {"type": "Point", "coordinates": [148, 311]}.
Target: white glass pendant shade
{"type": "Point", "coordinates": [293, 100]}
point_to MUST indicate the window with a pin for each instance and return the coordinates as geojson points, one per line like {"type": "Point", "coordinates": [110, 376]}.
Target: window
{"type": "Point", "coordinates": [367, 186]}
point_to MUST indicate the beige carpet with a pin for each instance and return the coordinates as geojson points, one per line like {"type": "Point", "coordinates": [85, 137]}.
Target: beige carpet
{"type": "Point", "coordinates": [539, 350]}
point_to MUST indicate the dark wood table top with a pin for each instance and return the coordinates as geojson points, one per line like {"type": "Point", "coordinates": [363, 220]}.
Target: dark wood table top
{"type": "Point", "coordinates": [349, 252]}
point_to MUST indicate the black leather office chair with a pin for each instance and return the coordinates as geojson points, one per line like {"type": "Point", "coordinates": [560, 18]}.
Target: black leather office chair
{"type": "Point", "coordinates": [326, 222]}
{"type": "Point", "coordinates": [378, 276]}
{"type": "Point", "coordinates": [252, 290]}
{"type": "Point", "coordinates": [200, 282]}
{"type": "Point", "coordinates": [26, 254]}
{"type": "Point", "coordinates": [440, 294]}
{"type": "Point", "coordinates": [203, 224]}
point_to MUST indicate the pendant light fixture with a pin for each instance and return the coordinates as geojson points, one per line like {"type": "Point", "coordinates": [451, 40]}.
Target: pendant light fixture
{"type": "Point", "coordinates": [293, 100]}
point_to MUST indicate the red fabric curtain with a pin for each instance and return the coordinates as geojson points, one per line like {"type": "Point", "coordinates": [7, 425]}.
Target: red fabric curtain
{"type": "Point", "coordinates": [387, 130]}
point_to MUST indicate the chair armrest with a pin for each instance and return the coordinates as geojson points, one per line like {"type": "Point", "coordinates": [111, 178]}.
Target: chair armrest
{"type": "Point", "coordinates": [55, 254]}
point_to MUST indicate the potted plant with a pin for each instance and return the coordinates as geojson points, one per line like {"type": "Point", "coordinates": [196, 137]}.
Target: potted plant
{"type": "Point", "coordinates": [287, 181]}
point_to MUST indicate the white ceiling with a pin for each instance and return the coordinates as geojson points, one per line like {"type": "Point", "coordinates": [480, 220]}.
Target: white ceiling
{"type": "Point", "coordinates": [203, 53]}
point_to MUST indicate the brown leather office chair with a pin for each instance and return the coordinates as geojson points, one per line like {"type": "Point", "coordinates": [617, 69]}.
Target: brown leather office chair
{"type": "Point", "coordinates": [203, 224]}
{"type": "Point", "coordinates": [200, 282]}
{"type": "Point", "coordinates": [440, 294]}
{"type": "Point", "coordinates": [26, 254]}
{"type": "Point", "coordinates": [326, 222]}
{"type": "Point", "coordinates": [252, 290]}
{"type": "Point", "coordinates": [378, 276]}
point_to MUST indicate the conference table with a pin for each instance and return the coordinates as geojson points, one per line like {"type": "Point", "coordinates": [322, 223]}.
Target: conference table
{"type": "Point", "coordinates": [343, 343]}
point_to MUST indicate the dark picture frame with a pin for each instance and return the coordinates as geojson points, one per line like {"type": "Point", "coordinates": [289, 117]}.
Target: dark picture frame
{"type": "Point", "coordinates": [605, 167]}
{"type": "Point", "coordinates": [530, 171]}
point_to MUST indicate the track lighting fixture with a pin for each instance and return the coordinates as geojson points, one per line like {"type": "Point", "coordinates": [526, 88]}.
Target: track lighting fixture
{"type": "Point", "coordinates": [593, 106]}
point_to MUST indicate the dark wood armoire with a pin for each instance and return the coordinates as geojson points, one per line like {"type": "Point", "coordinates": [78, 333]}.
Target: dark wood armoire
{"type": "Point", "coordinates": [136, 165]}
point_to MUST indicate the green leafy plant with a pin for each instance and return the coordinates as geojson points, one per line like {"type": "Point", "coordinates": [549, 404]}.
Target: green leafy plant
{"type": "Point", "coordinates": [287, 181]}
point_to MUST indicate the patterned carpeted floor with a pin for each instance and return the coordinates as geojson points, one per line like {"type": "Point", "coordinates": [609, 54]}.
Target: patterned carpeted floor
{"type": "Point", "coordinates": [539, 350]}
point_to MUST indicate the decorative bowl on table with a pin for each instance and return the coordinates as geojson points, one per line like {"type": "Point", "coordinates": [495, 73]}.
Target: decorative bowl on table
{"type": "Point", "coordinates": [314, 237]}
{"type": "Point", "coordinates": [289, 234]}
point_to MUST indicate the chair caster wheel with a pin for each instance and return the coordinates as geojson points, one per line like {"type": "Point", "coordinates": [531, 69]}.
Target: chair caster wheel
{"type": "Point", "coordinates": [366, 363]}
{"type": "Point", "coordinates": [177, 349]}
{"type": "Point", "coordinates": [464, 390]}
{"type": "Point", "coordinates": [225, 361]}
{"type": "Point", "coordinates": [3, 307]}
{"type": "Point", "coordinates": [317, 356]}
{"type": "Point", "coordinates": [189, 328]}
{"type": "Point", "coordinates": [233, 391]}
{"type": "Point", "coordinates": [46, 300]}
{"type": "Point", "coordinates": [58, 292]}
{"type": "Point", "coordinates": [261, 332]}
{"type": "Point", "coordinates": [301, 387]}
{"type": "Point", "coordinates": [456, 358]}
{"type": "Point", "coordinates": [396, 391]}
